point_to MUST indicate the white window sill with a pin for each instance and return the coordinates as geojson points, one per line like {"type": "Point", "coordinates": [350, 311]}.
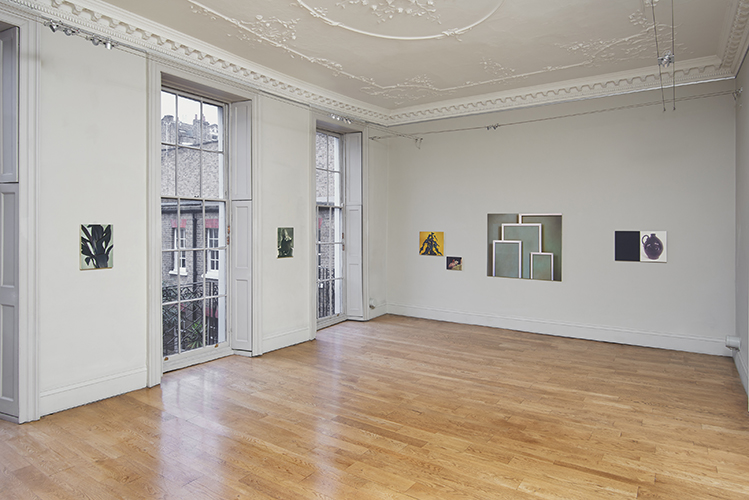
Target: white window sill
{"type": "Point", "coordinates": [182, 272]}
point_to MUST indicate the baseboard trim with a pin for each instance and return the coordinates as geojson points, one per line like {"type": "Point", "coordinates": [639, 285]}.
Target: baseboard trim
{"type": "Point", "coordinates": [616, 335]}
{"type": "Point", "coordinates": [63, 398]}
{"type": "Point", "coordinates": [285, 339]}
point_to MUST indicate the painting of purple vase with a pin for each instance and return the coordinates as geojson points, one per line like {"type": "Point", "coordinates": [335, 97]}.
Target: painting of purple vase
{"type": "Point", "coordinates": [653, 247]}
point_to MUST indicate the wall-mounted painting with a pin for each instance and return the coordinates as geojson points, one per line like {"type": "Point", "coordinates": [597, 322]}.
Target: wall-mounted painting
{"type": "Point", "coordinates": [285, 242]}
{"type": "Point", "coordinates": [455, 263]}
{"type": "Point", "coordinates": [640, 246]}
{"type": "Point", "coordinates": [431, 243]}
{"type": "Point", "coordinates": [97, 246]}
{"type": "Point", "coordinates": [526, 246]}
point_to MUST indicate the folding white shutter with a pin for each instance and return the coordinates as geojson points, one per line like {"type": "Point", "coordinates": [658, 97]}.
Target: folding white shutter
{"type": "Point", "coordinates": [241, 225]}
{"type": "Point", "coordinates": [352, 150]}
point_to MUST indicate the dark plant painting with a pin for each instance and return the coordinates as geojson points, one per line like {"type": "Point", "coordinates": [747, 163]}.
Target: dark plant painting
{"type": "Point", "coordinates": [285, 242]}
{"type": "Point", "coordinates": [97, 246]}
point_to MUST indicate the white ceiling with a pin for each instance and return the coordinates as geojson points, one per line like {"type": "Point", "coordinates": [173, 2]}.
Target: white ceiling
{"type": "Point", "coordinates": [405, 60]}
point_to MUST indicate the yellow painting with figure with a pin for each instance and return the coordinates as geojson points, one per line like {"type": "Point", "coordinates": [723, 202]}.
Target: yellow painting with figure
{"type": "Point", "coordinates": [431, 243]}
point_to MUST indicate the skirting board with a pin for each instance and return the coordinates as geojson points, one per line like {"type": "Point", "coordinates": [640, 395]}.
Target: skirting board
{"type": "Point", "coordinates": [740, 360]}
{"type": "Point", "coordinates": [578, 331]}
{"type": "Point", "coordinates": [286, 339]}
{"type": "Point", "coordinates": [71, 396]}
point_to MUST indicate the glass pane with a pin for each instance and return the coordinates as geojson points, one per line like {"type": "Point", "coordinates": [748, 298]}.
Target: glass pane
{"type": "Point", "coordinates": [319, 262]}
{"type": "Point", "coordinates": [168, 117]}
{"type": "Point", "coordinates": [321, 151]}
{"type": "Point", "coordinates": [191, 287]}
{"type": "Point", "coordinates": [216, 266]}
{"type": "Point", "coordinates": [337, 296]}
{"type": "Point", "coordinates": [213, 125]}
{"type": "Point", "coordinates": [168, 223]}
{"type": "Point", "coordinates": [333, 150]}
{"type": "Point", "coordinates": [189, 124]}
{"type": "Point", "coordinates": [327, 262]}
{"type": "Point", "coordinates": [192, 325]}
{"type": "Point", "coordinates": [170, 329]}
{"type": "Point", "coordinates": [168, 170]}
{"type": "Point", "coordinates": [191, 215]}
{"type": "Point", "coordinates": [321, 186]}
{"type": "Point", "coordinates": [324, 224]}
{"type": "Point", "coordinates": [215, 218]}
{"type": "Point", "coordinates": [188, 172]}
{"type": "Point", "coordinates": [213, 175]}
{"type": "Point", "coordinates": [215, 320]}
{"type": "Point", "coordinates": [323, 299]}
{"type": "Point", "coordinates": [169, 277]}
{"type": "Point", "coordinates": [336, 194]}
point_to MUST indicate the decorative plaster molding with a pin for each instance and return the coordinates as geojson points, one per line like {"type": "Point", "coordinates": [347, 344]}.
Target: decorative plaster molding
{"type": "Point", "coordinates": [386, 10]}
{"type": "Point", "coordinates": [391, 8]}
{"type": "Point", "coordinates": [735, 44]}
{"type": "Point", "coordinates": [696, 71]}
{"type": "Point", "coordinates": [170, 46]}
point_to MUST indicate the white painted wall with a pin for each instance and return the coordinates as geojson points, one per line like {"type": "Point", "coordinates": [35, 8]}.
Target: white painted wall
{"type": "Point", "coordinates": [742, 225]}
{"type": "Point", "coordinates": [284, 177]}
{"type": "Point", "coordinates": [92, 169]}
{"type": "Point", "coordinates": [633, 169]}
{"type": "Point", "coordinates": [377, 223]}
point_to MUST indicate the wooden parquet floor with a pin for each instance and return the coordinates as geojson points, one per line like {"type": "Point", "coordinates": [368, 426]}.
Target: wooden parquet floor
{"type": "Point", "coordinates": [402, 408]}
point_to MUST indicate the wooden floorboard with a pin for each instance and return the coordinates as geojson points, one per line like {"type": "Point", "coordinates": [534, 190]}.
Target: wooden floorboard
{"type": "Point", "coordinates": [402, 408]}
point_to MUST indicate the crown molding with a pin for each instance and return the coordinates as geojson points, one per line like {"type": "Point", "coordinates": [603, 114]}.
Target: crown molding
{"type": "Point", "coordinates": [644, 79]}
{"type": "Point", "coordinates": [165, 44]}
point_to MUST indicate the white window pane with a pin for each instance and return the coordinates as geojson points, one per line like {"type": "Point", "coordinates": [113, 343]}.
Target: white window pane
{"type": "Point", "coordinates": [168, 170]}
{"type": "Point", "coordinates": [192, 325]}
{"type": "Point", "coordinates": [213, 175]}
{"type": "Point", "coordinates": [321, 182]}
{"type": "Point", "coordinates": [168, 117]}
{"type": "Point", "coordinates": [191, 215]}
{"type": "Point", "coordinates": [168, 222]}
{"type": "Point", "coordinates": [169, 277]}
{"type": "Point", "coordinates": [215, 320]}
{"type": "Point", "coordinates": [213, 125]}
{"type": "Point", "coordinates": [189, 128]}
{"type": "Point", "coordinates": [321, 151]}
{"type": "Point", "coordinates": [170, 329]}
{"type": "Point", "coordinates": [188, 172]}
{"type": "Point", "coordinates": [336, 194]}
{"type": "Point", "coordinates": [215, 218]}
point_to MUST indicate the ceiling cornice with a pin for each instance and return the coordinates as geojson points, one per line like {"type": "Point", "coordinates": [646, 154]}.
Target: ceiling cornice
{"type": "Point", "coordinates": [167, 44]}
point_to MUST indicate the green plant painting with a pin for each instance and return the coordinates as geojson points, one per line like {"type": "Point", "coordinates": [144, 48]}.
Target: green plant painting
{"type": "Point", "coordinates": [285, 242]}
{"type": "Point", "coordinates": [97, 245]}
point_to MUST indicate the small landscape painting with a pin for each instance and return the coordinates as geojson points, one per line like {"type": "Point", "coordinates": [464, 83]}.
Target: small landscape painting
{"type": "Point", "coordinates": [97, 246]}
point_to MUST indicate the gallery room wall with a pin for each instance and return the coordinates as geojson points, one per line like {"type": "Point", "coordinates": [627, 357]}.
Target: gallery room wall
{"type": "Point", "coordinates": [376, 224]}
{"type": "Point", "coordinates": [638, 168]}
{"type": "Point", "coordinates": [284, 176]}
{"type": "Point", "coordinates": [742, 224]}
{"type": "Point", "coordinates": [92, 169]}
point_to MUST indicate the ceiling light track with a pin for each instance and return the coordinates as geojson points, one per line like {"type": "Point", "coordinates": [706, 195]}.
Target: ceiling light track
{"type": "Point", "coordinates": [69, 30]}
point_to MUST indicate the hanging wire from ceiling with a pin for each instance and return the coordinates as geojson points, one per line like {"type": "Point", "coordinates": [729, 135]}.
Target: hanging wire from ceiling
{"type": "Point", "coordinates": [667, 59]}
